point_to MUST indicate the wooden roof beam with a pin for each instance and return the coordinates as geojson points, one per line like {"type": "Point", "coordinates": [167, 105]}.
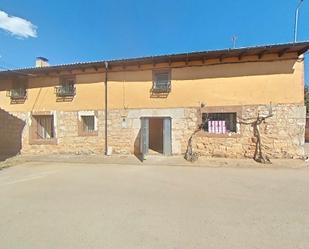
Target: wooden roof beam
{"type": "Point", "coordinates": [261, 54]}
{"type": "Point", "coordinates": [283, 51]}
{"type": "Point", "coordinates": [187, 59]}
{"type": "Point", "coordinates": [170, 61]}
{"type": "Point", "coordinates": [303, 50]}
{"type": "Point", "coordinates": [241, 55]}
{"type": "Point", "coordinates": [221, 57]}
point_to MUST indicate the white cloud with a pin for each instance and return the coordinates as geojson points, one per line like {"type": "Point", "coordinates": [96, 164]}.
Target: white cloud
{"type": "Point", "coordinates": [17, 26]}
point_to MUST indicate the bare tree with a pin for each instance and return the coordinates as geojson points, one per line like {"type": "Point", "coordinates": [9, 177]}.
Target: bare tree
{"type": "Point", "coordinates": [259, 156]}
{"type": "Point", "coordinates": [190, 155]}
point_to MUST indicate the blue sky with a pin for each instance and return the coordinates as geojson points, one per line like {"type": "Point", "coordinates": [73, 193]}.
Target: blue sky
{"type": "Point", "coordinates": [80, 30]}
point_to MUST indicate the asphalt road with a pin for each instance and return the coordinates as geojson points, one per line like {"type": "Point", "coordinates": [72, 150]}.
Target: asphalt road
{"type": "Point", "coordinates": [80, 206]}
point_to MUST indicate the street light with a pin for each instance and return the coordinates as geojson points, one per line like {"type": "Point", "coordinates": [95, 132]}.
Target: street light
{"type": "Point", "coordinates": [296, 20]}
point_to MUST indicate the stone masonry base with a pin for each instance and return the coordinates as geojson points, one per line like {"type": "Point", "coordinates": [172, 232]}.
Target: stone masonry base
{"type": "Point", "coordinates": [282, 134]}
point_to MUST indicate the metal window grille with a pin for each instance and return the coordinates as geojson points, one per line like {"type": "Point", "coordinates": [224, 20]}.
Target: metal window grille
{"type": "Point", "coordinates": [66, 88]}
{"type": "Point", "coordinates": [19, 90]}
{"type": "Point", "coordinates": [88, 123]}
{"type": "Point", "coordinates": [219, 123]}
{"type": "Point", "coordinates": [162, 82]}
{"type": "Point", "coordinates": [18, 93]}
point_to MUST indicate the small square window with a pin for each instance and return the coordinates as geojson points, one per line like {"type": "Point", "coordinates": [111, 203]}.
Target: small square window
{"type": "Point", "coordinates": [18, 91]}
{"type": "Point", "coordinates": [161, 81]}
{"type": "Point", "coordinates": [88, 123]}
{"type": "Point", "coordinates": [66, 88]}
{"type": "Point", "coordinates": [220, 123]}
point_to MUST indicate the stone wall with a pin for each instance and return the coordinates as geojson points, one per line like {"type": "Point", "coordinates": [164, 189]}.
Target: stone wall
{"type": "Point", "coordinates": [124, 128]}
{"type": "Point", "coordinates": [123, 132]}
{"type": "Point", "coordinates": [282, 134]}
{"type": "Point", "coordinates": [68, 139]}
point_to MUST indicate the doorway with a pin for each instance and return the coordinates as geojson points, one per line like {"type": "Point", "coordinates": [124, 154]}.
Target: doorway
{"type": "Point", "coordinates": [156, 136]}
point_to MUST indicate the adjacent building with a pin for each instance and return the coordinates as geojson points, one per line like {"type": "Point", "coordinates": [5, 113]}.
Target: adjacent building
{"type": "Point", "coordinates": [154, 104]}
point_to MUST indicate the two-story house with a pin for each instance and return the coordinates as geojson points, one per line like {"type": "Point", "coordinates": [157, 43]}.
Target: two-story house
{"type": "Point", "coordinates": [154, 104]}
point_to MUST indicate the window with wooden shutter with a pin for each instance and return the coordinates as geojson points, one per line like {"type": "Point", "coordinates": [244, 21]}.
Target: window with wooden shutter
{"type": "Point", "coordinates": [44, 127]}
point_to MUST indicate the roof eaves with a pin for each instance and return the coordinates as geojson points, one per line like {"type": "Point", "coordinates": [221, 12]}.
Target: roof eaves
{"type": "Point", "coordinates": [304, 46]}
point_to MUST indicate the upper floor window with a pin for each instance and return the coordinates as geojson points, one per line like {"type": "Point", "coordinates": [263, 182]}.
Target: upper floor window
{"type": "Point", "coordinates": [18, 90]}
{"type": "Point", "coordinates": [161, 81]}
{"type": "Point", "coordinates": [66, 88]}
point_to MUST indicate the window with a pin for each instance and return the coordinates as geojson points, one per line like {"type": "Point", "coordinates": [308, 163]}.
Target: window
{"type": "Point", "coordinates": [88, 123]}
{"type": "Point", "coordinates": [18, 91]}
{"type": "Point", "coordinates": [161, 81]}
{"type": "Point", "coordinates": [44, 127]}
{"type": "Point", "coordinates": [219, 123]}
{"type": "Point", "coordinates": [66, 88]}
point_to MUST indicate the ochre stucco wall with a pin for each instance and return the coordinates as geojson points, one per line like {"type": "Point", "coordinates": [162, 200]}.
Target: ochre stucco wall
{"type": "Point", "coordinates": [247, 83]}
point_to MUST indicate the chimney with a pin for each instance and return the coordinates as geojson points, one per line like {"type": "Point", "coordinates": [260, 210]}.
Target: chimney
{"type": "Point", "coordinates": [41, 62]}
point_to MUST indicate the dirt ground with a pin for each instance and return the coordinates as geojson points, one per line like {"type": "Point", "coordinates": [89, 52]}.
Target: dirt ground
{"type": "Point", "coordinates": [63, 204]}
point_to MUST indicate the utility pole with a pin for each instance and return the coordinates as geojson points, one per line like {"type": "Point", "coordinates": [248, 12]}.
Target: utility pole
{"type": "Point", "coordinates": [234, 39]}
{"type": "Point", "coordinates": [106, 108]}
{"type": "Point", "coordinates": [296, 20]}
